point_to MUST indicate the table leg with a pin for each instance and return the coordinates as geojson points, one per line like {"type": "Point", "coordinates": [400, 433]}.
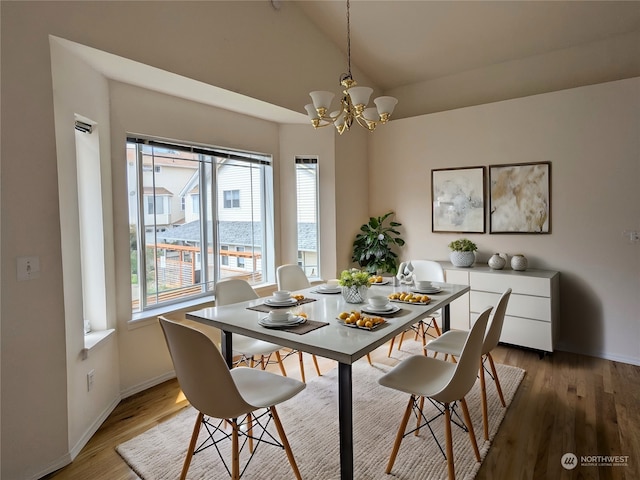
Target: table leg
{"type": "Point", "coordinates": [446, 318]}
{"type": "Point", "coordinates": [226, 347]}
{"type": "Point", "coordinates": [345, 420]}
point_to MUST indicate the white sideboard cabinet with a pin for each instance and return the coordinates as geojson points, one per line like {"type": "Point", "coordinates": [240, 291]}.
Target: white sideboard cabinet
{"type": "Point", "coordinates": [532, 313]}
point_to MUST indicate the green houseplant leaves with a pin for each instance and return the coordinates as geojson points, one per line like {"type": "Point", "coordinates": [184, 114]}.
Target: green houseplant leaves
{"type": "Point", "coordinates": [372, 248]}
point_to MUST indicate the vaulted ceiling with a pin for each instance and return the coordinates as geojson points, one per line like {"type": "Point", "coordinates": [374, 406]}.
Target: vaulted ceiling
{"type": "Point", "coordinates": [398, 43]}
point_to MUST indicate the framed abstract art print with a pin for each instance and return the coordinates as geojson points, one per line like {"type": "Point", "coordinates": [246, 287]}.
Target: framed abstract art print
{"type": "Point", "coordinates": [520, 198]}
{"type": "Point", "coordinates": [458, 199]}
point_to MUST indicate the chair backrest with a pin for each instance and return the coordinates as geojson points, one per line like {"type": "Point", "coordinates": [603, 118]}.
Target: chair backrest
{"type": "Point", "coordinates": [468, 363]}
{"type": "Point", "coordinates": [234, 290]}
{"type": "Point", "coordinates": [291, 277]}
{"type": "Point", "coordinates": [427, 270]}
{"type": "Point", "coordinates": [492, 336]}
{"type": "Point", "coordinates": [202, 372]}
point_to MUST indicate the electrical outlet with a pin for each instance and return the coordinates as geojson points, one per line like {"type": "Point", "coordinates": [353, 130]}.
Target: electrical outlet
{"type": "Point", "coordinates": [90, 379]}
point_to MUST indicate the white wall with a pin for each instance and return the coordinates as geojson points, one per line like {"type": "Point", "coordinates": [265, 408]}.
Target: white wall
{"type": "Point", "coordinates": [78, 89]}
{"type": "Point", "coordinates": [590, 135]}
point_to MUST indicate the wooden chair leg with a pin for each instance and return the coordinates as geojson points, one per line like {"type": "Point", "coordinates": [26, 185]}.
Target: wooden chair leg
{"type": "Point", "coordinates": [435, 325]}
{"type": "Point", "coordinates": [400, 341]}
{"type": "Point", "coordinates": [304, 380]}
{"type": "Point", "coordinates": [192, 446]}
{"type": "Point", "coordinates": [285, 442]}
{"type": "Point", "coordinates": [472, 433]}
{"type": "Point", "coordinates": [263, 364]}
{"type": "Point", "coordinates": [280, 364]}
{"type": "Point", "coordinates": [417, 432]}
{"type": "Point", "coordinates": [235, 452]}
{"type": "Point", "coordinates": [315, 363]}
{"type": "Point", "coordinates": [424, 334]}
{"type": "Point", "coordinates": [483, 398]}
{"type": "Point", "coordinates": [495, 377]}
{"type": "Point", "coordinates": [369, 359]}
{"type": "Point", "coordinates": [449, 442]}
{"type": "Point", "coordinates": [250, 431]}
{"type": "Point", "coordinates": [252, 362]}
{"type": "Point", "coordinates": [391, 346]}
{"type": "Point", "coordinates": [400, 434]}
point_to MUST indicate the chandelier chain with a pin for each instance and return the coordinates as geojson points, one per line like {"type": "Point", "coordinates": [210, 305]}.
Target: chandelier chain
{"type": "Point", "coordinates": [348, 41]}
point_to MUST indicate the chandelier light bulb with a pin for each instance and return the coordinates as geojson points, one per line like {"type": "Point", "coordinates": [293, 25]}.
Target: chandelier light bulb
{"type": "Point", "coordinates": [385, 105]}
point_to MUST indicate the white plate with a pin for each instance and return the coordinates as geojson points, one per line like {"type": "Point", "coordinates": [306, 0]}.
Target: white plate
{"type": "Point", "coordinates": [387, 308]}
{"type": "Point", "coordinates": [273, 301]}
{"type": "Point", "coordinates": [386, 311]}
{"type": "Point", "coordinates": [293, 321]}
{"type": "Point", "coordinates": [323, 289]}
{"type": "Point", "coordinates": [384, 282]}
{"type": "Point", "coordinates": [427, 290]}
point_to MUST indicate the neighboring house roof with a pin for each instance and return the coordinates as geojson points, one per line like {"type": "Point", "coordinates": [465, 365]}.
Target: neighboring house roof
{"type": "Point", "coordinates": [308, 237]}
{"type": "Point", "coordinates": [237, 233]}
{"type": "Point", "coordinates": [158, 191]}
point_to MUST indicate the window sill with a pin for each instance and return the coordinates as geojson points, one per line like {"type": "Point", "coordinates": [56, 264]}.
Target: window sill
{"type": "Point", "coordinates": [149, 317]}
{"type": "Point", "coordinates": [93, 339]}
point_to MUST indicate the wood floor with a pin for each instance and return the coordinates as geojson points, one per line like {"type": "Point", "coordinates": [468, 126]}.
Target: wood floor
{"type": "Point", "coordinates": [566, 403]}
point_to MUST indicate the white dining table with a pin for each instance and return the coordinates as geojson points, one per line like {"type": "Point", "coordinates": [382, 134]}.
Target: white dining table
{"type": "Point", "coordinates": [335, 341]}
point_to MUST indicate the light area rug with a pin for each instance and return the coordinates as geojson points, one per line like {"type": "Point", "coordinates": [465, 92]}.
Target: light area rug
{"type": "Point", "coordinates": [310, 422]}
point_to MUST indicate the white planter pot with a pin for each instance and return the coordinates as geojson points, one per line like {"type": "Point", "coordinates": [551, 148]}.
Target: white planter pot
{"type": "Point", "coordinates": [462, 259]}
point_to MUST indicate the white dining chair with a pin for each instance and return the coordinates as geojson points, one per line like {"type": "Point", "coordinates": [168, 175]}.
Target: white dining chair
{"type": "Point", "coordinates": [452, 342]}
{"type": "Point", "coordinates": [422, 270]}
{"type": "Point", "coordinates": [235, 290]}
{"type": "Point", "coordinates": [234, 397]}
{"type": "Point", "coordinates": [291, 277]}
{"type": "Point", "coordinates": [444, 384]}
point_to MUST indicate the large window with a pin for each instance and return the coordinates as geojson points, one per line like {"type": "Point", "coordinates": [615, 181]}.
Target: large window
{"type": "Point", "coordinates": [179, 230]}
{"type": "Point", "coordinates": [307, 215]}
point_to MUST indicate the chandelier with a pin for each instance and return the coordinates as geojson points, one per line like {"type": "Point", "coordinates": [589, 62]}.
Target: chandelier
{"type": "Point", "coordinates": [353, 104]}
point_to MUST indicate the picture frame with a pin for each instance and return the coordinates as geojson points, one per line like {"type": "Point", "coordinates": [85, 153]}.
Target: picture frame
{"type": "Point", "coordinates": [520, 198]}
{"type": "Point", "coordinates": [458, 200]}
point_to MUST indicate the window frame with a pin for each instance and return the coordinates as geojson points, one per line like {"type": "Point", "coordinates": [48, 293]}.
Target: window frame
{"type": "Point", "coordinates": [300, 161]}
{"type": "Point", "coordinates": [210, 241]}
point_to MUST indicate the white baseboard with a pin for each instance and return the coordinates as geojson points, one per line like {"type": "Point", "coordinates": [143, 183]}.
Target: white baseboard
{"type": "Point", "coordinates": [603, 355]}
{"type": "Point", "coordinates": [75, 450]}
{"type": "Point", "coordinates": [148, 384]}
{"type": "Point", "coordinates": [68, 457]}
{"type": "Point", "coordinates": [52, 467]}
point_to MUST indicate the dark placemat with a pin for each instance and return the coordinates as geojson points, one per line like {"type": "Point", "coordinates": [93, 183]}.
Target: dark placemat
{"type": "Point", "coordinates": [306, 327]}
{"type": "Point", "coordinates": [263, 307]}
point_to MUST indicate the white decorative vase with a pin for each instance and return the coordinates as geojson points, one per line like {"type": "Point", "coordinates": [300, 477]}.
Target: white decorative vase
{"type": "Point", "coordinates": [519, 262]}
{"type": "Point", "coordinates": [496, 262]}
{"type": "Point", "coordinates": [355, 294]}
{"type": "Point", "coordinates": [462, 259]}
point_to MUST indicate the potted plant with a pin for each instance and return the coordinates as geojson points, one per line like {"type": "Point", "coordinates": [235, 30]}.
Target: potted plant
{"type": "Point", "coordinates": [462, 252]}
{"type": "Point", "coordinates": [355, 284]}
{"type": "Point", "coordinates": [372, 248]}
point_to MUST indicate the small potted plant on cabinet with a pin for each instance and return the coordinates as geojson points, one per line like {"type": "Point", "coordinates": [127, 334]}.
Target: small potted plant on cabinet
{"type": "Point", "coordinates": [462, 252]}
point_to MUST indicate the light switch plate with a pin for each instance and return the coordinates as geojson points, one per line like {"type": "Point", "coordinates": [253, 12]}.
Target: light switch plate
{"type": "Point", "coordinates": [28, 268]}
